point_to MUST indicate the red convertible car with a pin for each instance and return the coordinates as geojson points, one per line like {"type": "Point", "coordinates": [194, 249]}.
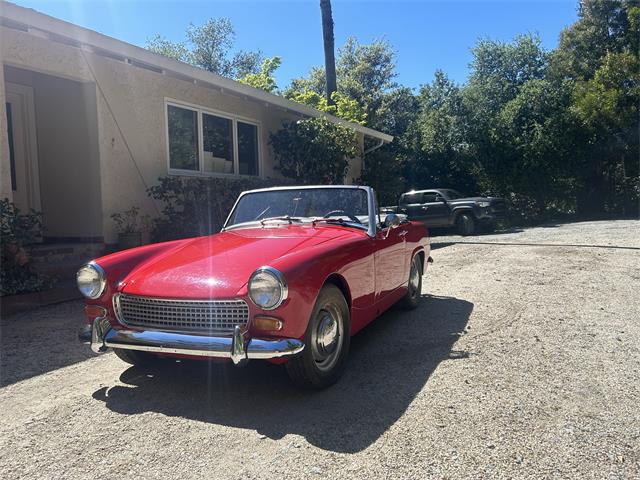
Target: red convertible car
{"type": "Point", "coordinates": [294, 273]}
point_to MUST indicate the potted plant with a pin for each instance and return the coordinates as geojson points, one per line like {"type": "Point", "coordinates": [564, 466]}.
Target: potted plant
{"type": "Point", "coordinates": [130, 226]}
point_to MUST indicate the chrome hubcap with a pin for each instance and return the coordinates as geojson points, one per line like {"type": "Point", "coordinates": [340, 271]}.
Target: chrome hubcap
{"type": "Point", "coordinates": [325, 343]}
{"type": "Point", "coordinates": [327, 334]}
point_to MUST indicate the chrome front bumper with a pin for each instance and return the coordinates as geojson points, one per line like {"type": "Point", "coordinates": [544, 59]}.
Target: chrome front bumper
{"type": "Point", "coordinates": [236, 347]}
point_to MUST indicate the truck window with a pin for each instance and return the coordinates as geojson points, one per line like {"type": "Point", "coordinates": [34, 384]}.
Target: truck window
{"type": "Point", "coordinates": [430, 197]}
{"type": "Point", "coordinates": [408, 198]}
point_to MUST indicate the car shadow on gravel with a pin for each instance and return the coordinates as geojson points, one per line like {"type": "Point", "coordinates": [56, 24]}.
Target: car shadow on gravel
{"type": "Point", "coordinates": [389, 364]}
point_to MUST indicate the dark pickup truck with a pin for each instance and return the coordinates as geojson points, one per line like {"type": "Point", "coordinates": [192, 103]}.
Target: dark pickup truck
{"type": "Point", "coordinates": [449, 208]}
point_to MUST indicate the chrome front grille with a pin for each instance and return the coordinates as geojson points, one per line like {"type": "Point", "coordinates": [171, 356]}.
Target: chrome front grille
{"type": "Point", "coordinates": [194, 316]}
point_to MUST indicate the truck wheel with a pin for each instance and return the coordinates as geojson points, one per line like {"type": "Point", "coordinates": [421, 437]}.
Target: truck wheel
{"type": "Point", "coordinates": [414, 286]}
{"type": "Point", "coordinates": [326, 342]}
{"type": "Point", "coordinates": [465, 224]}
{"type": "Point", "coordinates": [139, 359]}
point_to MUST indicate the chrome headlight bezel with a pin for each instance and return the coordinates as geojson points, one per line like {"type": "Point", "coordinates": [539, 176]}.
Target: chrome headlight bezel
{"type": "Point", "coordinates": [100, 279]}
{"type": "Point", "coordinates": [277, 277]}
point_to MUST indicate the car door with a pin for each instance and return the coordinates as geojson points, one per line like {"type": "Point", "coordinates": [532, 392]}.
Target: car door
{"type": "Point", "coordinates": [411, 205]}
{"type": "Point", "coordinates": [436, 210]}
{"type": "Point", "coordinates": [390, 259]}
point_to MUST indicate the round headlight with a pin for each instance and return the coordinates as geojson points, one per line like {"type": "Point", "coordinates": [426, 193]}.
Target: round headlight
{"type": "Point", "coordinates": [91, 280]}
{"type": "Point", "coordinates": [267, 288]}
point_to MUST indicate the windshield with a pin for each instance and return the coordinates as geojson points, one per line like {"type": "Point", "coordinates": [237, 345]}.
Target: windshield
{"type": "Point", "coordinates": [304, 203]}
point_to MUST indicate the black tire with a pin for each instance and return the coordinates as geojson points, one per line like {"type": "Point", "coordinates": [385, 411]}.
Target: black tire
{"type": "Point", "coordinates": [414, 286]}
{"type": "Point", "coordinates": [320, 365]}
{"type": "Point", "coordinates": [139, 359]}
{"type": "Point", "coordinates": [466, 224]}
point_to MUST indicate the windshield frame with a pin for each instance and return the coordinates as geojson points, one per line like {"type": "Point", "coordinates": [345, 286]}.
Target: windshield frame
{"type": "Point", "coordinates": [371, 228]}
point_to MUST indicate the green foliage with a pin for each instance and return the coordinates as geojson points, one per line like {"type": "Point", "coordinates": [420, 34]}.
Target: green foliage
{"type": "Point", "coordinates": [343, 107]}
{"type": "Point", "coordinates": [18, 230]}
{"type": "Point", "coordinates": [196, 206]}
{"type": "Point", "coordinates": [130, 221]}
{"type": "Point", "coordinates": [264, 79]}
{"type": "Point", "coordinates": [208, 46]}
{"type": "Point", "coordinates": [381, 171]}
{"type": "Point", "coordinates": [365, 75]}
{"type": "Point", "coordinates": [314, 150]}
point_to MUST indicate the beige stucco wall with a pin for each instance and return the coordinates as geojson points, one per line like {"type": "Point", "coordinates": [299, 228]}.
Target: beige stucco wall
{"type": "Point", "coordinates": [131, 123]}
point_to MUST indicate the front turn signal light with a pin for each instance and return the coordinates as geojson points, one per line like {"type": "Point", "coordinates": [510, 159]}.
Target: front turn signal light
{"type": "Point", "coordinates": [94, 311]}
{"type": "Point", "coordinates": [267, 323]}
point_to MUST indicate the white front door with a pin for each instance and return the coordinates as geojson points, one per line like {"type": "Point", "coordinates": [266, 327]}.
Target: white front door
{"type": "Point", "coordinates": [23, 154]}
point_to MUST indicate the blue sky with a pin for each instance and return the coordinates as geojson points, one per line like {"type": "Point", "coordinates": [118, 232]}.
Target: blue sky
{"type": "Point", "coordinates": [426, 35]}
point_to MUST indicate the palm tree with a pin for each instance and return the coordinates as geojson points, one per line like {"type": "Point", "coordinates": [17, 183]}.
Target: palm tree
{"type": "Point", "coordinates": [329, 57]}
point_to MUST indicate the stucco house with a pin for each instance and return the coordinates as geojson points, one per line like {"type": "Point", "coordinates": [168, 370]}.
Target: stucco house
{"type": "Point", "coordinates": [88, 122]}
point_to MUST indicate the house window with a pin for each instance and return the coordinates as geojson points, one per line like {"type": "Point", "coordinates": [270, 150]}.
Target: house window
{"type": "Point", "coordinates": [247, 148]}
{"type": "Point", "coordinates": [183, 138]}
{"type": "Point", "coordinates": [201, 141]}
{"type": "Point", "coordinates": [217, 135]}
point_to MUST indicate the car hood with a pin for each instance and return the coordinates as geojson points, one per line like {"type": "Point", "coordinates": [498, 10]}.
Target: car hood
{"type": "Point", "coordinates": [220, 265]}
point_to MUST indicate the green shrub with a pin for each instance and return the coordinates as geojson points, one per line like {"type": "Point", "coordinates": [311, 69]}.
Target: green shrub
{"type": "Point", "coordinates": [314, 150]}
{"type": "Point", "coordinates": [195, 206]}
{"type": "Point", "coordinates": [18, 230]}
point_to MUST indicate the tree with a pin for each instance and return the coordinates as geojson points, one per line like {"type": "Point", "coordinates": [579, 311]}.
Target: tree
{"type": "Point", "coordinates": [341, 106]}
{"type": "Point", "coordinates": [599, 55]}
{"type": "Point", "coordinates": [314, 150]}
{"type": "Point", "coordinates": [440, 137]}
{"type": "Point", "coordinates": [208, 46]}
{"type": "Point", "coordinates": [328, 43]}
{"type": "Point", "coordinates": [264, 79]}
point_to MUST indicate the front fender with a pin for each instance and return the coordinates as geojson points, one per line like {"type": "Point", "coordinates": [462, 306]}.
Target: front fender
{"type": "Point", "coordinates": [307, 271]}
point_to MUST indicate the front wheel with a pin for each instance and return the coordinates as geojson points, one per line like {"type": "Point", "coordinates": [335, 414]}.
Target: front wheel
{"type": "Point", "coordinates": [466, 224]}
{"type": "Point", "coordinates": [414, 286]}
{"type": "Point", "coordinates": [326, 341]}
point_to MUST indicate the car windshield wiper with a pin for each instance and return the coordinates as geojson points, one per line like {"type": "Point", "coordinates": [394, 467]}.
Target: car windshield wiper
{"type": "Point", "coordinates": [338, 221]}
{"type": "Point", "coordinates": [286, 218]}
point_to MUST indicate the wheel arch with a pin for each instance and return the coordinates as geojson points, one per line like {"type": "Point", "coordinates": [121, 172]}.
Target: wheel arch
{"type": "Point", "coordinates": [340, 282]}
{"type": "Point", "coordinates": [460, 210]}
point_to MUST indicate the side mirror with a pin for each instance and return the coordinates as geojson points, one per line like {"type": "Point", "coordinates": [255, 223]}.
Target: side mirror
{"type": "Point", "coordinates": [391, 220]}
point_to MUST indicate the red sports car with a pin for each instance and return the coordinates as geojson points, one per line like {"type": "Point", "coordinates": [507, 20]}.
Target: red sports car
{"type": "Point", "coordinates": [294, 273]}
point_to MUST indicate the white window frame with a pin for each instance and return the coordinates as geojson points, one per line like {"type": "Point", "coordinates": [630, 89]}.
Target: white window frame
{"type": "Point", "coordinates": [200, 110]}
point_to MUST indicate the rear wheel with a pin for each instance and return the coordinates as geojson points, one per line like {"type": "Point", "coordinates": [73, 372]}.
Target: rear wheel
{"type": "Point", "coordinates": [414, 286]}
{"type": "Point", "coordinates": [326, 340]}
{"type": "Point", "coordinates": [139, 359]}
{"type": "Point", "coordinates": [465, 224]}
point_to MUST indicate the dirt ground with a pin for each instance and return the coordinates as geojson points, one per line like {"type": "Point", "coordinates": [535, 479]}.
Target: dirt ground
{"type": "Point", "coordinates": [523, 360]}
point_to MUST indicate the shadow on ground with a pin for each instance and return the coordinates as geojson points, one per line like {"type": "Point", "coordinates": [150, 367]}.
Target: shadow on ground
{"type": "Point", "coordinates": [389, 364]}
{"type": "Point", "coordinates": [39, 341]}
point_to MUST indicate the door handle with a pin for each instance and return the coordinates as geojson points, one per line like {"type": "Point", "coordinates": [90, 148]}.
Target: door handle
{"type": "Point", "coordinates": [425, 207]}
{"type": "Point", "coordinates": [403, 233]}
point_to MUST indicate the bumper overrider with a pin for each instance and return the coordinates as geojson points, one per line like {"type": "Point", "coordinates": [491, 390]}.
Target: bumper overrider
{"type": "Point", "coordinates": [237, 347]}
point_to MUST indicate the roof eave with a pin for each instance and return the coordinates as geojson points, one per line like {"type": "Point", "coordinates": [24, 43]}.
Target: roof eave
{"type": "Point", "coordinates": [93, 39]}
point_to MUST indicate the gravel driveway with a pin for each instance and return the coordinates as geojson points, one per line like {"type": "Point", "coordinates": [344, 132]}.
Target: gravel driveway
{"type": "Point", "coordinates": [523, 360]}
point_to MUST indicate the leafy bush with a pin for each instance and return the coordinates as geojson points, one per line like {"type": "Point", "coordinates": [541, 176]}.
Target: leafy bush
{"type": "Point", "coordinates": [314, 150]}
{"type": "Point", "coordinates": [18, 230]}
{"type": "Point", "coordinates": [195, 206]}
{"type": "Point", "coordinates": [130, 221]}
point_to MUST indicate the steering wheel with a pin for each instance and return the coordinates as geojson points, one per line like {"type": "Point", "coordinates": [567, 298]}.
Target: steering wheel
{"type": "Point", "coordinates": [334, 213]}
